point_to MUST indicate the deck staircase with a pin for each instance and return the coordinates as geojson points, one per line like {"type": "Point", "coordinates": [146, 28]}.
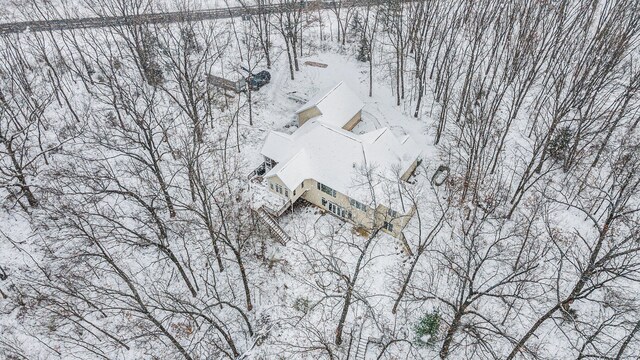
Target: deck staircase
{"type": "Point", "coordinates": [273, 226]}
{"type": "Point", "coordinates": [280, 211]}
{"type": "Point", "coordinates": [361, 350]}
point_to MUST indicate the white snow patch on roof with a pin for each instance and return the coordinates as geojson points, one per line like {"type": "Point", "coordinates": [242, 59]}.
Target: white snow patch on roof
{"type": "Point", "coordinates": [336, 157]}
{"type": "Point", "coordinates": [276, 146]}
{"type": "Point", "coordinates": [337, 105]}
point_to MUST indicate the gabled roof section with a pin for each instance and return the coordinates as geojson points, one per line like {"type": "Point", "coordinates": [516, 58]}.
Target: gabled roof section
{"type": "Point", "coordinates": [276, 146]}
{"type": "Point", "coordinates": [293, 171]}
{"type": "Point", "coordinates": [372, 136]}
{"type": "Point", "coordinates": [337, 105]}
{"type": "Point", "coordinates": [337, 157]}
{"type": "Point", "coordinates": [317, 98]}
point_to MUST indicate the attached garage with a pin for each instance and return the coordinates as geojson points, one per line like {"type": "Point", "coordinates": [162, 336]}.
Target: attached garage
{"type": "Point", "coordinates": [338, 106]}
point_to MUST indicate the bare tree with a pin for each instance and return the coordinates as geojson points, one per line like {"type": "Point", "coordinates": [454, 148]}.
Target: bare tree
{"type": "Point", "coordinates": [369, 37]}
{"type": "Point", "coordinates": [609, 253]}
{"type": "Point", "coordinates": [288, 23]}
{"type": "Point", "coordinates": [24, 101]}
{"type": "Point", "coordinates": [427, 229]}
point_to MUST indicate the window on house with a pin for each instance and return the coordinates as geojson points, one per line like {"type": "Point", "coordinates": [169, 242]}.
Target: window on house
{"type": "Point", "coordinates": [388, 226]}
{"type": "Point", "coordinates": [337, 209]}
{"type": "Point", "coordinates": [294, 193]}
{"type": "Point", "coordinates": [279, 189]}
{"type": "Point", "coordinates": [392, 213]}
{"type": "Point", "coordinates": [327, 190]}
{"type": "Point", "coordinates": [302, 185]}
{"type": "Point", "coordinates": [286, 193]}
{"type": "Point", "coordinates": [271, 185]}
{"type": "Point", "coordinates": [358, 205]}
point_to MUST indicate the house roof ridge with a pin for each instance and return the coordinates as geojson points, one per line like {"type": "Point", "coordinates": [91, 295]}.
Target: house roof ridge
{"type": "Point", "coordinates": [382, 130]}
{"type": "Point", "coordinates": [309, 105]}
{"type": "Point", "coordinates": [342, 132]}
{"type": "Point", "coordinates": [300, 152]}
{"type": "Point", "coordinates": [329, 92]}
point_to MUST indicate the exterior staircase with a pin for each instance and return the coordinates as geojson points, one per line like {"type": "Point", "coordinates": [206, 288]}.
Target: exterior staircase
{"type": "Point", "coordinates": [273, 226]}
{"type": "Point", "coordinates": [362, 341]}
{"type": "Point", "coordinates": [279, 211]}
{"type": "Point", "coordinates": [361, 350]}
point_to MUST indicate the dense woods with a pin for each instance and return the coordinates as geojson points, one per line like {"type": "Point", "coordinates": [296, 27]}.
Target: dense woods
{"type": "Point", "coordinates": [126, 227]}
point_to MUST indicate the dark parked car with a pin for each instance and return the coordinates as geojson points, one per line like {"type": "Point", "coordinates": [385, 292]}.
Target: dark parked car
{"type": "Point", "coordinates": [256, 81]}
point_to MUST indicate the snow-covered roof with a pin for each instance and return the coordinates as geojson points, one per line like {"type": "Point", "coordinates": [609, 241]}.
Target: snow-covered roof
{"type": "Point", "coordinates": [337, 105]}
{"type": "Point", "coordinates": [336, 158]}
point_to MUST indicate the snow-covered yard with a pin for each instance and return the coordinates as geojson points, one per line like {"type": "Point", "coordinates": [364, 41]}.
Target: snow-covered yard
{"type": "Point", "coordinates": [128, 227]}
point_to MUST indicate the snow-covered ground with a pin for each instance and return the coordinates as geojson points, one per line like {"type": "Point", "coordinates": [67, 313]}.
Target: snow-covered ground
{"type": "Point", "coordinates": [484, 275]}
{"type": "Point", "coordinates": [314, 232]}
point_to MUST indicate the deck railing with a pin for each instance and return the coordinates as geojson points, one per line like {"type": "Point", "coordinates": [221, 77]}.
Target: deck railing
{"type": "Point", "coordinates": [266, 218]}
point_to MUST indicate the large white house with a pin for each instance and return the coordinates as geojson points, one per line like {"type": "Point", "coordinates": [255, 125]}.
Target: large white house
{"type": "Point", "coordinates": [352, 176]}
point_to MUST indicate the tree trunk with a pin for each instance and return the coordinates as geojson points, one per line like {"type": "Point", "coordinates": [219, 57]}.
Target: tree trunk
{"type": "Point", "coordinates": [245, 281]}
{"type": "Point", "coordinates": [289, 58]}
{"type": "Point", "coordinates": [455, 323]}
{"type": "Point", "coordinates": [22, 181]}
{"type": "Point", "coordinates": [351, 284]}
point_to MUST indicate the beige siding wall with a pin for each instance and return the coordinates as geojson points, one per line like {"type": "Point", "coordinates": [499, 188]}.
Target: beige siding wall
{"type": "Point", "coordinates": [313, 112]}
{"type": "Point", "coordinates": [308, 190]}
{"type": "Point", "coordinates": [314, 196]}
{"type": "Point", "coordinates": [275, 180]}
{"type": "Point", "coordinates": [294, 194]}
{"type": "Point", "coordinates": [353, 122]}
{"type": "Point", "coordinates": [409, 171]}
{"type": "Point", "coordinates": [399, 221]}
{"type": "Point", "coordinates": [308, 114]}
{"type": "Point", "coordinates": [300, 190]}
{"type": "Point", "coordinates": [359, 217]}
